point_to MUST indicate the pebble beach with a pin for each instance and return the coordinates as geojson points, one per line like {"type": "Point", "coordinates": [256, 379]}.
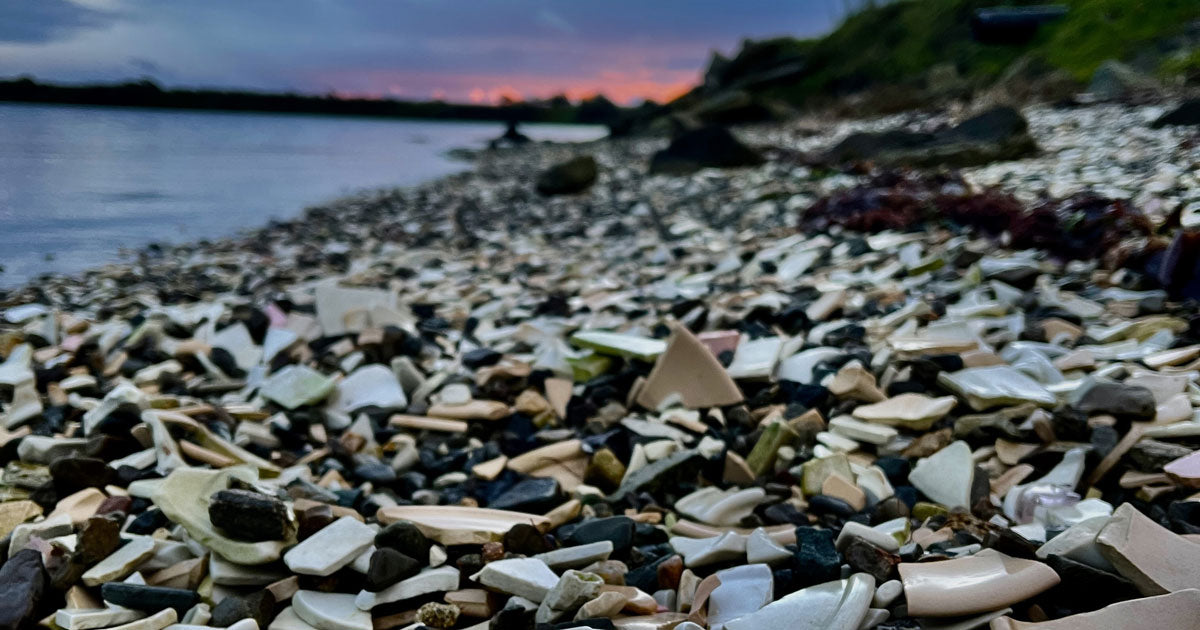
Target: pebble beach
{"type": "Point", "coordinates": [791, 395]}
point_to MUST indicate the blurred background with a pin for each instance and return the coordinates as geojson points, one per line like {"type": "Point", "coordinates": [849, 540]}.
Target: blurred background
{"type": "Point", "coordinates": [127, 122]}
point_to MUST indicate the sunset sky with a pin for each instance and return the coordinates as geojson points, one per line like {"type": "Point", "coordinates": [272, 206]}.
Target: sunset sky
{"type": "Point", "coordinates": [458, 50]}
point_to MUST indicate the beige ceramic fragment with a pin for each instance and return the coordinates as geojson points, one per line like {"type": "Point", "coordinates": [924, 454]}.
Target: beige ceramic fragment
{"type": "Point", "coordinates": [1075, 360]}
{"type": "Point", "coordinates": [1131, 437]}
{"type": "Point", "coordinates": [1174, 356]}
{"type": "Point", "coordinates": [564, 461]}
{"type": "Point", "coordinates": [202, 436]}
{"type": "Point", "coordinates": [185, 574]}
{"type": "Point", "coordinates": [855, 381]}
{"type": "Point", "coordinates": [839, 487]}
{"type": "Point", "coordinates": [473, 410]}
{"type": "Point", "coordinates": [1154, 558]}
{"type": "Point", "coordinates": [985, 581]}
{"type": "Point", "coordinates": [559, 392]}
{"type": "Point", "coordinates": [980, 358]}
{"type": "Point", "coordinates": [563, 514]}
{"type": "Point", "coordinates": [13, 513]}
{"type": "Point", "coordinates": [1163, 386]}
{"type": "Point", "coordinates": [490, 469]}
{"type": "Point", "coordinates": [1185, 471]}
{"type": "Point", "coordinates": [472, 602]}
{"type": "Point", "coordinates": [1011, 477]}
{"type": "Point", "coordinates": [79, 506]}
{"type": "Point", "coordinates": [688, 369]}
{"type": "Point", "coordinates": [782, 534]}
{"type": "Point", "coordinates": [1057, 329]}
{"type": "Point", "coordinates": [1180, 610]}
{"type": "Point", "coordinates": [912, 411]}
{"type": "Point", "coordinates": [203, 455]}
{"type": "Point", "coordinates": [120, 563]}
{"type": "Point", "coordinates": [458, 525]}
{"type": "Point", "coordinates": [1011, 453]}
{"type": "Point", "coordinates": [421, 423]}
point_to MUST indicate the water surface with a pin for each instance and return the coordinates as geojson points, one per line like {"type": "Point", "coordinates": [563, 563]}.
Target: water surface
{"type": "Point", "coordinates": [79, 183]}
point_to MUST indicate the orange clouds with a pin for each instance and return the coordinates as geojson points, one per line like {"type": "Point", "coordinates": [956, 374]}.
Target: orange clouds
{"type": "Point", "coordinates": [625, 86]}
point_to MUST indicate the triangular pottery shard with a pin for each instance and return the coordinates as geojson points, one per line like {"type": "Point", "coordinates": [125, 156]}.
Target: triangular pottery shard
{"type": "Point", "coordinates": [1176, 610]}
{"type": "Point", "coordinates": [688, 368]}
{"type": "Point", "coordinates": [459, 525]}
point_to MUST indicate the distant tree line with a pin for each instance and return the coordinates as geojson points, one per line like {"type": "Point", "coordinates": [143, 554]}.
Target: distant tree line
{"type": "Point", "coordinates": [146, 93]}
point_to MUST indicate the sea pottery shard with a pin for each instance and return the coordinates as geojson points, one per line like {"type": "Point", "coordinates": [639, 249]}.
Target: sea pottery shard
{"type": "Point", "coordinates": [916, 412]}
{"type": "Point", "coordinates": [755, 359]}
{"type": "Point", "coordinates": [458, 525]}
{"type": "Point", "coordinates": [743, 590]}
{"type": "Point", "coordinates": [183, 497]}
{"type": "Point", "coordinates": [1174, 610]}
{"type": "Point", "coordinates": [525, 577]}
{"type": "Point", "coordinates": [295, 386]}
{"type": "Point", "coordinates": [620, 344]}
{"type": "Point", "coordinates": [370, 386]}
{"type": "Point", "coordinates": [1154, 558]}
{"type": "Point", "coordinates": [330, 611]}
{"type": "Point", "coordinates": [985, 581]}
{"type": "Point", "coordinates": [429, 580]}
{"type": "Point", "coordinates": [688, 369]}
{"type": "Point", "coordinates": [838, 605]}
{"type": "Point", "coordinates": [330, 548]}
{"type": "Point", "coordinates": [995, 385]}
{"type": "Point", "coordinates": [946, 476]}
{"type": "Point", "coordinates": [720, 507]}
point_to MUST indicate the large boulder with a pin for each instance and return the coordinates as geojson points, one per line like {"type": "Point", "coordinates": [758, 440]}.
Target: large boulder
{"type": "Point", "coordinates": [707, 147]}
{"type": "Point", "coordinates": [1000, 133]}
{"type": "Point", "coordinates": [570, 177]}
{"type": "Point", "coordinates": [866, 146]}
{"type": "Point", "coordinates": [1114, 80]}
{"type": "Point", "coordinates": [1188, 113]}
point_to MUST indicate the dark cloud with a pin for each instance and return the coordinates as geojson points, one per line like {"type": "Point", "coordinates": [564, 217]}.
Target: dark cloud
{"type": "Point", "coordinates": [414, 47]}
{"type": "Point", "coordinates": [40, 21]}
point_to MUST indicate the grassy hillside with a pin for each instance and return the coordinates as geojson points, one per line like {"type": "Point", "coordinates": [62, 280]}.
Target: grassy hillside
{"type": "Point", "coordinates": [898, 42]}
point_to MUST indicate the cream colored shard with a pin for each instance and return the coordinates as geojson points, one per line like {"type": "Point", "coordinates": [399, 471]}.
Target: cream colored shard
{"type": "Point", "coordinates": [459, 525]}
{"type": "Point", "coordinates": [911, 411]}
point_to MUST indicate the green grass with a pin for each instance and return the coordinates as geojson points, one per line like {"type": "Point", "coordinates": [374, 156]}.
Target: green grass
{"type": "Point", "coordinates": [1096, 30]}
{"type": "Point", "coordinates": [896, 43]}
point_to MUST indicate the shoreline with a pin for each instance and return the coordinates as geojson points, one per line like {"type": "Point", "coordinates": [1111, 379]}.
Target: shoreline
{"type": "Point", "coordinates": [205, 189]}
{"type": "Point", "coordinates": [623, 185]}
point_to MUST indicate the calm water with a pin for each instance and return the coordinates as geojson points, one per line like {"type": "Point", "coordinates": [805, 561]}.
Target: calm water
{"type": "Point", "coordinates": [78, 183]}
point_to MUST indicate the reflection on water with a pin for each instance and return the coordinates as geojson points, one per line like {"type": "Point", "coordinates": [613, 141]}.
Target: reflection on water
{"type": "Point", "coordinates": [78, 183]}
